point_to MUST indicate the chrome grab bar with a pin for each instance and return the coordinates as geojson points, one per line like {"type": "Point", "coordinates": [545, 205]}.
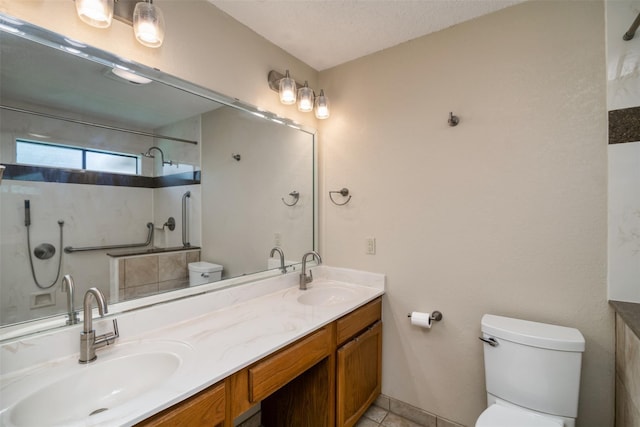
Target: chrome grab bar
{"type": "Point", "coordinates": [69, 249]}
{"type": "Point", "coordinates": [185, 230]}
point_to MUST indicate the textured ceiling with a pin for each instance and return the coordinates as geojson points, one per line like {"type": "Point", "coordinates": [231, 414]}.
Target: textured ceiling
{"type": "Point", "coordinates": [326, 33]}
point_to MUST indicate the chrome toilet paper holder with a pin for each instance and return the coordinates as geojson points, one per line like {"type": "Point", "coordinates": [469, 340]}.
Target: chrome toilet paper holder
{"type": "Point", "coordinates": [435, 315]}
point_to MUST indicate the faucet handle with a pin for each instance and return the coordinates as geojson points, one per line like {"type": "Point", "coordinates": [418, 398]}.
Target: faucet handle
{"type": "Point", "coordinates": [108, 338]}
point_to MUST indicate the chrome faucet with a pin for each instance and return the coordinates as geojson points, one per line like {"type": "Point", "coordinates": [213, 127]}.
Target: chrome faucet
{"type": "Point", "coordinates": [304, 279]}
{"type": "Point", "coordinates": [68, 286]}
{"type": "Point", "coordinates": [281, 253]}
{"type": "Point", "coordinates": [89, 343]}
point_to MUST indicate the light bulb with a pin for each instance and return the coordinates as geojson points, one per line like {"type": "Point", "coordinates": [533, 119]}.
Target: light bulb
{"type": "Point", "coordinates": [322, 106]}
{"type": "Point", "coordinates": [148, 24]}
{"type": "Point", "coordinates": [287, 89]}
{"type": "Point", "coordinates": [305, 98]}
{"type": "Point", "coordinates": [97, 13]}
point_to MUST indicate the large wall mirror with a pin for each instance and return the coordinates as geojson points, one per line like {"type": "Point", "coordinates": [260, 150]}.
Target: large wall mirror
{"type": "Point", "coordinates": [123, 177]}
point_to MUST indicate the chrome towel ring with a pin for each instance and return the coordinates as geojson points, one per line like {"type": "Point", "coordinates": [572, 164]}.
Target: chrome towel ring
{"type": "Point", "coordinates": [344, 193]}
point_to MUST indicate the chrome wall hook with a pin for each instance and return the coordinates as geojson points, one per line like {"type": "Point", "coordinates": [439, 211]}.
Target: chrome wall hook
{"type": "Point", "coordinates": [453, 120]}
{"type": "Point", "coordinates": [343, 192]}
{"type": "Point", "coordinates": [296, 197]}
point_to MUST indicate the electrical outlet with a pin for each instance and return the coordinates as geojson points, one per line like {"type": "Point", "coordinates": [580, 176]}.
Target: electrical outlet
{"type": "Point", "coordinates": [370, 245]}
{"type": "Point", "coordinates": [277, 239]}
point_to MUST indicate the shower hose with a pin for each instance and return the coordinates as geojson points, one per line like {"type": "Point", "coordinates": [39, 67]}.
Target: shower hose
{"type": "Point", "coordinates": [33, 272]}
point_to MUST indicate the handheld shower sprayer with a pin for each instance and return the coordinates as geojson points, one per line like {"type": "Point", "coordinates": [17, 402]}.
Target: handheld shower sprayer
{"type": "Point", "coordinates": [43, 251]}
{"type": "Point", "coordinates": [27, 213]}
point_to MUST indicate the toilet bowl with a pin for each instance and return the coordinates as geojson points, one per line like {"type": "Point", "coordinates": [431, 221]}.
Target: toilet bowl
{"type": "Point", "coordinates": [504, 415]}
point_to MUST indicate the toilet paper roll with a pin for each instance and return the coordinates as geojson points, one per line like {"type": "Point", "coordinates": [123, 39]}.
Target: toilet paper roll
{"type": "Point", "coordinates": [421, 319]}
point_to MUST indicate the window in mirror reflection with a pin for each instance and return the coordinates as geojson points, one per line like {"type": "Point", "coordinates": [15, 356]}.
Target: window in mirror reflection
{"type": "Point", "coordinates": [60, 156]}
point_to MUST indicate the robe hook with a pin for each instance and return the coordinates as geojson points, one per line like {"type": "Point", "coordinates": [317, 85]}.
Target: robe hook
{"type": "Point", "coordinates": [453, 120]}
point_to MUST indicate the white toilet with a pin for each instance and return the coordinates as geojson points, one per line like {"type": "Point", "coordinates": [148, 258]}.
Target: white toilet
{"type": "Point", "coordinates": [532, 373]}
{"type": "Point", "coordinates": [204, 272]}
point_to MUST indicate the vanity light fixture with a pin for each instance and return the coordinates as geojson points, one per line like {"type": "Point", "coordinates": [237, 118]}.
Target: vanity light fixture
{"type": "Point", "coordinates": [306, 97]}
{"type": "Point", "coordinates": [287, 89]}
{"type": "Point", "coordinates": [97, 13]}
{"type": "Point", "coordinates": [322, 106]}
{"type": "Point", "coordinates": [148, 24]}
{"type": "Point", "coordinates": [146, 18]}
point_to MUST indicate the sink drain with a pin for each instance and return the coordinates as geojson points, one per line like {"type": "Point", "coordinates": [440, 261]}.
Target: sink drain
{"type": "Point", "coordinates": [97, 411]}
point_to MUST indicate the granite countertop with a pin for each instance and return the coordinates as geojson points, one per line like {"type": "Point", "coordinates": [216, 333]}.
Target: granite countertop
{"type": "Point", "coordinates": [630, 313]}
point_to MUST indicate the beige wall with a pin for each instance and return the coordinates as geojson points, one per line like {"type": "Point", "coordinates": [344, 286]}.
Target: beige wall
{"type": "Point", "coordinates": [503, 214]}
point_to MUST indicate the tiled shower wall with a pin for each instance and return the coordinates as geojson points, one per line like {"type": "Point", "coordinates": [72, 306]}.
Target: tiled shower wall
{"type": "Point", "coordinates": [627, 375]}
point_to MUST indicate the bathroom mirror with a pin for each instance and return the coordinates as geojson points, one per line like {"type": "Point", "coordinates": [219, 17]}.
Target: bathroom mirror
{"type": "Point", "coordinates": [101, 159]}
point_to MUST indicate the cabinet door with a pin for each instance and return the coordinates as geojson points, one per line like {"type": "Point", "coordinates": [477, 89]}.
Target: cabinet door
{"type": "Point", "coordinates": [359, 375]}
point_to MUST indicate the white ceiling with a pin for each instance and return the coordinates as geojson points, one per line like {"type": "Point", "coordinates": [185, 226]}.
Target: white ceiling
{"type": "Point", "coordinates": [326, 33]}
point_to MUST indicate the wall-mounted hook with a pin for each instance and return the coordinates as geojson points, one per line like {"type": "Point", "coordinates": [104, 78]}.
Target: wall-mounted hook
{"type": "Point", "coordinates": [453, 120]}
{"type": "Point", "coordinates": [236, 156]}
{"type": "Point", "coordinates": [344, 193]}
{"type": "Point", "coordinates": [296, 197]}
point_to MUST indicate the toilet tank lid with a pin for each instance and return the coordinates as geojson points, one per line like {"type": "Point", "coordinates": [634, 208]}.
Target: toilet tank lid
{"type": "Point", "coordinates": [535, 334]}
{"type": "Point", "coordinates": [204, 267]}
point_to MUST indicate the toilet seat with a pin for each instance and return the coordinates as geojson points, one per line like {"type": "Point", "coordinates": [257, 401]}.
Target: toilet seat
{"type": "Point", "coordinates": [504, 416]}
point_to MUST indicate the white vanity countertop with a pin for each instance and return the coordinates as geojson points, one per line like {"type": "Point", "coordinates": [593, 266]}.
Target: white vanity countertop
{"type": "Point", "coordinates": [214, 335]}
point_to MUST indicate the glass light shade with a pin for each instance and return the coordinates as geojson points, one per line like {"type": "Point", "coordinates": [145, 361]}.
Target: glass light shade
{"type": "Point", "coordinates": [305, 98]}
{"type": "Point", "coordinates": [97, 13]}
{"type": "Point", "coordinates": [287, 90]}
{"type": "Point", "coordinates": [322, 106]}
{"type": "Point", "coordinates": [148, 24]}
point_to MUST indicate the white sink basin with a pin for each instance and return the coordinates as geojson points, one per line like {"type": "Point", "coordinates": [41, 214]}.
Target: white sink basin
{"type": "Point", "coordinates": [95, 388]}
{"type": "Point", "coordinates": [327, 295]}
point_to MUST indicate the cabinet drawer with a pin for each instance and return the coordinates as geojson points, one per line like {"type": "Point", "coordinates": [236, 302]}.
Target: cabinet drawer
{"type": "Point", "coordinates": [206, 408]}
{"type": "Point", "coordinates": [349, 325]}
{"type": "Point", "coordinates": [274, 372]}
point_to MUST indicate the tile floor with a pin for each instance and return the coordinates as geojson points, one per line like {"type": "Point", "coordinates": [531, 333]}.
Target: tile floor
{"type": "Point", "coordinates": [385, 412]}
{"type": "Point", "coordinates": [378, 417]}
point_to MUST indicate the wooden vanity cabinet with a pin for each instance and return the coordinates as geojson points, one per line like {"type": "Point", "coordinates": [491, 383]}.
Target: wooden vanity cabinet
{"type": "Point", "coordinates": [328, 378]}
{"type": "Point", "coordinates": [359, 374]}
{"type": "Point", "coordinates": [358, 362]}
{"type": "Point", "coordinates": [207, 408]}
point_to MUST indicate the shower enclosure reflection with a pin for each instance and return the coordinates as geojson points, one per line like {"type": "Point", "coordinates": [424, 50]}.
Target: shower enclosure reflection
{"type": "Point", "coordinates": [179, 164]}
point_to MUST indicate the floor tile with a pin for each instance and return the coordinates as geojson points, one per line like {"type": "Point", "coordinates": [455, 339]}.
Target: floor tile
{"type": "Point", "coordinates": [393, 420]}
{"type": "Point", "coordinates": [366, 422]}
{"type": "Point", "coordinates": [375, 413]}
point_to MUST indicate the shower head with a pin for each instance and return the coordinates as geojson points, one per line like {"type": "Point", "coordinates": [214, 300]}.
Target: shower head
{"type": "Point", "coordinates": [148, 154]}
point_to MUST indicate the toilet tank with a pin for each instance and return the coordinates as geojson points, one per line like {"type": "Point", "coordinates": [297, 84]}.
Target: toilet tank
{"type": "Point", "coordinates": [534, 365]}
